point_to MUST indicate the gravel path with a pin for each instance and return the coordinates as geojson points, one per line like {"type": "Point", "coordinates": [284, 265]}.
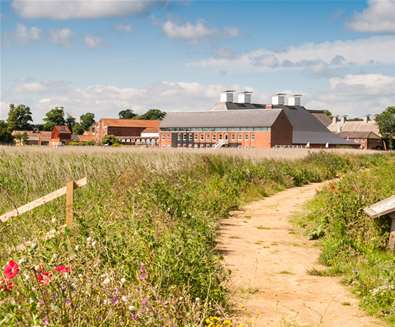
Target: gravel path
{"type": "Point", "coordinates": [269, 263]}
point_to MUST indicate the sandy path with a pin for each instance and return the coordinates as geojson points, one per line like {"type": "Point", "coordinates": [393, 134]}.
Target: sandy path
{"type": "Point", "coordinates": [269, 262]}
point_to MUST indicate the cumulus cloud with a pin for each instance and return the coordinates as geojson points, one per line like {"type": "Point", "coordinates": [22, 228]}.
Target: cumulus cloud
{"type": "Point", "coordinates": [315, 56]}
{"type": "Point", "coordinates": [61, 36]}
{"type": "Point", "coordinates": [26, 34]}
{"type": "Point", "coordinates": [195, 31]}
{"type": "Point", "coordinates": [108, 100]}
{"type": "Point", "coordinates": [92, 41]}
{"type": "Point", "coordinates": [62, 9]}
{"type": "Point", "coordinates": [123, 28]}
{"type": "Point", "coordinates": [379, 16]}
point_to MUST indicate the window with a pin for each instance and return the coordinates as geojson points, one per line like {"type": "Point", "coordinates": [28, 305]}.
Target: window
{"type": "Point", "coordinates": [220, 136]}
{"type": "Point", "coordinates": [253, 136]}
{"type": "Point", "coordinates": [240, 136]}
{"type": "Point", "coordinates": [214, 136]}
{"type": "Point", "coordinates": [233, 136]}
{"type": "Point", "coordinates": [246, 136]}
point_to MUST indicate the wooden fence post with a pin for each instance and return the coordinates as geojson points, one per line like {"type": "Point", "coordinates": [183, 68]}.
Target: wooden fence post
{"type": "Point", "coordinates": [391, 242]}
{"type": "Point", "coordinates": [69, 202]}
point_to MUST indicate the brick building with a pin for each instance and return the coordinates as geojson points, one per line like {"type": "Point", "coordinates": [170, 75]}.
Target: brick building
{"type": "Point", "coordinates": [285, 122]}
{"type": "Point", "coordinates": [128, 131]}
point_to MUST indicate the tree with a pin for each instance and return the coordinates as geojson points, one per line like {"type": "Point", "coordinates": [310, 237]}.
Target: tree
{"type": "Point", "coordinates": [87, 120]}
{"type": "Point", "coordinates": [153, 114]}
{"type": "Point", "coordinates": [5, 135]}
{"type": "Point", "coordinates": [126, 114]}
{"type": "Point", "coordinates": [78, 129]}
{"type": "Point", "coordinates": [21, 137]}
{"type": "Point", "coordinates": [70, 121]}
{"type": "Point", "coordinates": [19, 118]}
{"type": "Point", "coordinates": [386, 122]}
{"type": "Point", "coordinates": [53, 118]}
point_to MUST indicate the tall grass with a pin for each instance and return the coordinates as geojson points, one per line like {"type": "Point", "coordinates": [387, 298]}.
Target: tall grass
{"type": "Point", "coordinates": [353, 244]}
{"type": "Point", "coordinates": [142, 251]}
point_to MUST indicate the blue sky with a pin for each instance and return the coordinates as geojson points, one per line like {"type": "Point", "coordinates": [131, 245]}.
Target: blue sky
{"type": "Point", "coordinates": [104, 56]}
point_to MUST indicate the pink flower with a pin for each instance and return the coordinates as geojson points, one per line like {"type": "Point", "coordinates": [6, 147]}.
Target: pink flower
{"type": "Point", "coordinates": [6, 285]}
{"type": "Point", "coordinates": [11, 269]}
{"type": "Point", "coordinates": [62, 269]}
{"type": "Point", "coordinates": [44, 277]}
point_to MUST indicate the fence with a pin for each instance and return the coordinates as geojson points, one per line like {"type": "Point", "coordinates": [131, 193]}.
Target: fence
{"type": "Point", "coordinates": [68, 190]}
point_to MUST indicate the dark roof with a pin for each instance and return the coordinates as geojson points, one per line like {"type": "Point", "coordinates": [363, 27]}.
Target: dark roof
{"type": "Point", "coordinates": [359, 135]}
{"type": "Point", "coordinates": [236, 118]}
{"type": "Point", "coordinates": [62, 129]}
{"type": "Point", "coordinates": [322, 117]}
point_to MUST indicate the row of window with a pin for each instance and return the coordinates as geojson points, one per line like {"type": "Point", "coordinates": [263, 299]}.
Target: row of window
{"type": "Point", "coordinates": [215, 129]}
{"type": "Point", "coordinates": [193, 136]}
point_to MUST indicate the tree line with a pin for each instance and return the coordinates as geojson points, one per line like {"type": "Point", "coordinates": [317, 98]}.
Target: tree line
{"type": "Point", "coordinates": [20, 119]}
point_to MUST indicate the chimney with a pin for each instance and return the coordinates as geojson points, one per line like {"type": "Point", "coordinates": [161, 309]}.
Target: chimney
{"type": "Point", "coordinates": [244, 97]}
{"type": "Point", "coordinates": [279, 99]}
{"type": "Point", "coordinates": [227, 96]}
{"type": "Point", "coordinates": [268, 106]}
{"type": "Point", "coordinates": [295, 100]}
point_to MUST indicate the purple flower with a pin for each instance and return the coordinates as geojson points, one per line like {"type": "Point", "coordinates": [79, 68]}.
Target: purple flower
{"type": "Point", "coordinates": [143, 273]}
{"type": "Point", "coordinates": [45, 321]}
{"type": "Point", "coordinates": [144, 301]}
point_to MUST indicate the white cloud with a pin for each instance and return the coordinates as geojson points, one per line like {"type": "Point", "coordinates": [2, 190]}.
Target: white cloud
{"type": "Point", "coordinates": [195, 31]}
{"type": "Point", "coordinates": [26, 34]}
{"type": "Point", "coordinates": [92, 41]}
{"type": "Point", "coordinates": [124, 28]}
{"type": "Point", "coordinates": [379, 16]}
{"type": "Point", "coordinates": [187, 31]}
{"type": "Point", "coordinates": [64, 9]}
{"type": "Point", "coordinates": [61, 36]}
{"type": "Point", "coordinates": [31, 87]}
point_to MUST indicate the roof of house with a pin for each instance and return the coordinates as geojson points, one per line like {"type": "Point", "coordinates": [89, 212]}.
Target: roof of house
{"type": "Point", "coordinates": [130, 123]}
{"type": "Point", "coordinates": [354, 126]}
{"type": "Point", "coordinates": [62, 129]}
{"type": "Point", "coordinates": [359, 135]}
{"type": "Point", "coordinates": [236, 118]}
{"type": "Point", "coordinates": [322, 116]}
{"type": "Point", "coordinates": [150, 130]}
{"type": "Point", "coordinates": [34, 135]}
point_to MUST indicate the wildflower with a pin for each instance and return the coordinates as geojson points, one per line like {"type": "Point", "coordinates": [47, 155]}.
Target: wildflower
{"type": "Point", "coordinates": [123, 281]}
{"type": "Point", "coordinates": [11, 269]}
{"type": "Point", "coordinates": [62, 269]}
{"type": "Point", "coordinates": [106, 281]}
{"type": "Point", "coordinates": [44, 277]}
{"type": "Point", "coordinates": [124, 298]}
{"type": "Point", "coordinates": [144, 301]}
{"type": "Point", "coordinates": [131, 307]}
{"type": "Point", "coordinates": [6, 284]}
{"type": "Point", "coordinates": [143, 273]}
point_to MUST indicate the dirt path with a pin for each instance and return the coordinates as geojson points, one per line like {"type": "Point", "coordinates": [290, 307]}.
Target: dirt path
{"type": "Point", "coordinates": [269, 262]}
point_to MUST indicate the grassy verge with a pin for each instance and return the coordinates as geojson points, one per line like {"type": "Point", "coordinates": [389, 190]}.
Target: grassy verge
{"type": "Point", "coordinates": [353, 245]}
{"type": "Point", "coordinates": [142, 252]}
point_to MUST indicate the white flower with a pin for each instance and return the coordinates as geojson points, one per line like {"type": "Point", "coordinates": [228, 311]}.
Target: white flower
{"type": "Point", "coordinates": [123, 280]}
{"type": "Point", "coordinates": [124, 298]}
{"type": "Point", "coordinates": [106, 281]}
{"type": "Point", "coordinates": [131, 308]}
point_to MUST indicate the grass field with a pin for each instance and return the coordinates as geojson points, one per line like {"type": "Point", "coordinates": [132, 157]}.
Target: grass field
{"type": "Point", "coordinates": [142, 251]}
{"type": "Point", "coordinates": [353, 244]}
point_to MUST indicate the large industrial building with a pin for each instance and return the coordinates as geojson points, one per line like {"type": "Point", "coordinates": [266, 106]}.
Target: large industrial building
{"type": "Point", "coordinates": [283, 123]}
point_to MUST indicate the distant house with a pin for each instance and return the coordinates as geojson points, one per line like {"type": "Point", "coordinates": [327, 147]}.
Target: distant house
{"type": "Point", "coordinates": [362, 131]}
{"type": "Point", "coordinates": [128, 131]}
{"type": "Point", "coordinates": [31, 137]}
{"type": "Point", "coordinates": [60, 135]}
{"type": "Point", "coordinates": [322, 116]}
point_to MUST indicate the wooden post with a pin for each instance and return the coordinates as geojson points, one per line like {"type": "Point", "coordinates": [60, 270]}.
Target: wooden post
{"type": "Point", "coordinates": [69, 202]}
{"type": "Point", "coordinates": [391, 242]}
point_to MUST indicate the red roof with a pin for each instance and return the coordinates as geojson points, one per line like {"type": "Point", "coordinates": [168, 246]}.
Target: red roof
{"type": "Point", "coordinates": [62, 129]}
{"type": "Point", "coordinates": [131, 123]}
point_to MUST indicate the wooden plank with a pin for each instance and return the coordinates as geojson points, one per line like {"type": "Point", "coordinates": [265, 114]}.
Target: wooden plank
{"type": "Point", "coordinates": [39, 202]}
{"type": "Point", "coordinates": [391, 242]}
{"type": "Point", "coordinates": [69, 202]}
{"type": "Point", "coordinates": [381, 208]}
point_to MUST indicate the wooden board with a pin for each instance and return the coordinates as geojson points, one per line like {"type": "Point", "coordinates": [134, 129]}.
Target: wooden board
{"type": "Point", "coordinates": [39, 202]}
{"type": "Point", "coordinates": [381, 208]}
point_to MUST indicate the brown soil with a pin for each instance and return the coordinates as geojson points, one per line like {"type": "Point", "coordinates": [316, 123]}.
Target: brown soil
{"type": "Point", "coordinates": [269, 265]}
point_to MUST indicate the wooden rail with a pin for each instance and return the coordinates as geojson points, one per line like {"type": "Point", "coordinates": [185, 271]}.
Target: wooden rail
{"type": "Point", "coordinates": [68, 190]}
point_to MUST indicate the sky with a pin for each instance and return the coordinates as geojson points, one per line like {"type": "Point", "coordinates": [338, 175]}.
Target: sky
{"type": "Point", "coordinates": [104, 56]}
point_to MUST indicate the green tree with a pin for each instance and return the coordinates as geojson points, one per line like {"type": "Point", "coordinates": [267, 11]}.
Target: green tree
{"type": "Point", "coordinates": [5, 135]}
{"type": "Point", "coordinates": [19, 118]}
{"type": "Point", "coordinates": [70, 121]}
{"type": "Point", "coordinates": [78, 129]}
{"type": "Point", "coordinates": [21, 137]}
{"type": "Point", "coordinates": [386, 122]}
{"type": "Point", "coordinates": [53, 118]}
{"type": "Point", "coordinates": [153, 114]}
{"type": "Point", "coordinates": [87, 120]}
{"type": "Point", "coordinates": [126, 114]}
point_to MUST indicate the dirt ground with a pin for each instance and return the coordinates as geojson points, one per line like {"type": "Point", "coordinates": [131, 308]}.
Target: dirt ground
{"type": "Point", "coordinates": [269, 266]}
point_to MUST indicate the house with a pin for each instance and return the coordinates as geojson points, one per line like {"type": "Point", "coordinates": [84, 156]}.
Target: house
{"type": "Point", "coordinates": [362, 131]}
{"type": "Point", "coordinates": [241, 123]}
{"type": "Point", "coordinates": [60, 135]}
{"type": "Point", "coordinates": [31, 137]}
{"type": "Point", "coordinates": [128, 131]}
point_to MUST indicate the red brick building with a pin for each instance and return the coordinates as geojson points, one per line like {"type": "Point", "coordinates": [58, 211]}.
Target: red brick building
{"type": "Point", "coordinates": [60, 135]}
{"type": "Point", "coordinates": [128, 131]}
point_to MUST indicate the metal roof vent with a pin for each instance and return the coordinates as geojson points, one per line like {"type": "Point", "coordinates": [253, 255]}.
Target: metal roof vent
{"type": "Point", "coordinates": [279, 99]}
{"type": "Point", "coordinates": [244, 97]}
{"type": "Point", "coordinates": [227, 96]}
